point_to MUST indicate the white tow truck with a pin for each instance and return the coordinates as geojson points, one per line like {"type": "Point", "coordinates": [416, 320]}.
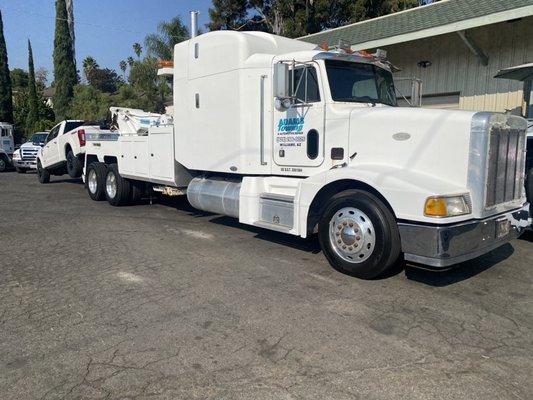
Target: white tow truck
{"type": "Point", "coordinates": [64, 149]}
{"type": "Point", "coordinates": [287, 136]}
{"type": "Point", "coordinates": [7, 146]}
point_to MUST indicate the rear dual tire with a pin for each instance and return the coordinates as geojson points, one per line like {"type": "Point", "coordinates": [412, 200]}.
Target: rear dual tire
{"type": "Point", "coordinates": [95, 180]}
{"type": "Point", "coordinates": [118, 190]}
{"type": "Point", "coordinates": [359, 235]}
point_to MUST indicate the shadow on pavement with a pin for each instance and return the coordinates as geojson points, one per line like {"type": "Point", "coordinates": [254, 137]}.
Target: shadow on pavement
{"type": "Point", "coordinates": [65, 180]}
{"type": "Point", "coordinates": [527, 236]}
{"type": "Point", "coordinates": [442, 278]}
{"type": "Point", "coordinates": [460, 272]}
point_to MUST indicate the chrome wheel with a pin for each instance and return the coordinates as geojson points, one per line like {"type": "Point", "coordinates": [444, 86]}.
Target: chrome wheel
{"type": "Point", "coordinates": [92, 181]}
{"type": "Point", "coordinates": [352, 235]}
{"type": "Point", "coordinates": [111, 185]}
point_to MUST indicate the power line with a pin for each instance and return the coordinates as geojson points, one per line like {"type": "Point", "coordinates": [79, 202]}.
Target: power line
{"type": "Point", "coordinates": [76, 22]}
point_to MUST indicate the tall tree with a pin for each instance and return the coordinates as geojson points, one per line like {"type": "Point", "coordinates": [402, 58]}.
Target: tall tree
{"type": "Point", "coordinates": [33, 99]}
{"type": "Point", "coordinates": [228, 14]}
{"type": "Point", "coordinates": [6, 95]}
{"type": "Point", "coordinates": [89, 65]}
{"type": "Point", "coordinates": [161, 45]}
{"type": "Point", "coordinates": [137, 49]}
{"type": "Point", "coordinates": [123, 65]}
{"type": "Point", "coordinates": [70, 19]}
{"type": "Point", "coordinates": [65, 75]}
{"type": "Point", "coordinates": [294, 18]}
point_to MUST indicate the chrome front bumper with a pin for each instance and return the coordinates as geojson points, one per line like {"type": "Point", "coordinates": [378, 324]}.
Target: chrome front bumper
{"type": "Point", "coordinates": [25, 164]}
{"type": "Point", "coordinates": [440, 246]}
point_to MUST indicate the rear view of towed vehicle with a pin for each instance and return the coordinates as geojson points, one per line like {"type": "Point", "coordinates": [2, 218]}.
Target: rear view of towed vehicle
{"type": "Point", "coordinates": [64, 149]}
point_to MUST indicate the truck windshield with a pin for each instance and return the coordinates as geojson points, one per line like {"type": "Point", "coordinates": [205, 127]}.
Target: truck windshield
{"type": "Point", "coordinates": [39, 137]}
{"type": "Point", "coordinates": [360, 83]}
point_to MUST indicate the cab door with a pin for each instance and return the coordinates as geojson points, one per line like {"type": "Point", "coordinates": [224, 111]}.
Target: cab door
{"type": "Point", "coordinates": [299, 130]}
{"type": "Point", "coordinates": [6, 139]}
{"type": "Point", "coordinates": [51, 148]}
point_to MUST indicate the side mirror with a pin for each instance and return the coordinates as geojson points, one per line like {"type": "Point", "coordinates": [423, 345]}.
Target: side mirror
{"type": "Point", "coordinates": [281, 81]}
{"type": "Point", "coordinates": [282, 91]}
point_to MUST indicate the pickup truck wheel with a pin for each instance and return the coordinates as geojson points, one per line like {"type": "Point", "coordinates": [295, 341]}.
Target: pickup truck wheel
{"type": "Point", "coordinates": [3, 164]}
{"type": "Point", "coordinates": [95, 180]}
{"type": "Point", "coordinates": [359, 235]}
{"type": "Point", "coordinates": [42, 173]}
{"type": "Point", "coordinates": [74, 165]}
{"type": "Point", "coordinates": [117, 189]}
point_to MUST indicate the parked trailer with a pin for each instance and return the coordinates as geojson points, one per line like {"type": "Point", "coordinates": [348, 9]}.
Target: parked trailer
{"type": "Point", "coordinates": [293, 138]}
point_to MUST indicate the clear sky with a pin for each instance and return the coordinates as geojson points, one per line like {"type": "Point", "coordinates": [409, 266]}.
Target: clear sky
{"type": "Point", "coordinates": [105, 29]}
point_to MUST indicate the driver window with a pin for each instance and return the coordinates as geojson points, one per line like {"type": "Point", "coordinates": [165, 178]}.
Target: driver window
{"type": "Point", "coordinates": [3, 132]}
{"type": "Point", "coordinates": [306, 88]}
{"type": "Point", "coordinates": [53, 133]}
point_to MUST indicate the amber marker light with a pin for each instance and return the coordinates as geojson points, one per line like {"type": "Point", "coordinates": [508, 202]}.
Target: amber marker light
{"type": "Point", "coordinates": [446, 206]}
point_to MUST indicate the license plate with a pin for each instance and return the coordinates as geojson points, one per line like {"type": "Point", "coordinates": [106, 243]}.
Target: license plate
{"type": "Point", "coordinates": [502, 227]}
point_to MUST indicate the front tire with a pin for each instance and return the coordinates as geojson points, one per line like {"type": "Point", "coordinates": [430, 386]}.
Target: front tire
{"type": "Point", "coordinates": [359, 234]}
{"type": "Point", "coordinates": [117, 189]}
{"type": "Point", "coordinates": [74, 166]}
{"type": "Point", "coordinates": [42, 173]}
{"type": "Point", "coordinates": [3, 164]}
{"type": "Point", "coordinates": [95, 180]}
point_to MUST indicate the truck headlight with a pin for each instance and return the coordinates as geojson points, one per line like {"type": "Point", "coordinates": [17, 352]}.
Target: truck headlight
{"type": "Point", "coordinates": [446, 206]}
{"type": "Point", "coordinates": [16, 155]}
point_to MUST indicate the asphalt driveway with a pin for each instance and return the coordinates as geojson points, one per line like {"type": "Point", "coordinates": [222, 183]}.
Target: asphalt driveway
{"type": "Point", "coordinates": [161, 302]}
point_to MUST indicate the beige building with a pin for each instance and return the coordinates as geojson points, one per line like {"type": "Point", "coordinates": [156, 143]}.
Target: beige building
{"type": "Point", "coordinates": [455, 47]}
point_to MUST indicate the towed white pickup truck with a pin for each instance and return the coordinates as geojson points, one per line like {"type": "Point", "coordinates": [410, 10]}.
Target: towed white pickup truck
{"type": "Point", "coordinates": [64, 149]}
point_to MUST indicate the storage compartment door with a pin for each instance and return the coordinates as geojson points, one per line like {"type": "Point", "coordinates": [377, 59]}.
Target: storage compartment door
{"type": "Point", "coordinates": [161, 154]}
{"type": "Point", "coordinates": [139, 147]}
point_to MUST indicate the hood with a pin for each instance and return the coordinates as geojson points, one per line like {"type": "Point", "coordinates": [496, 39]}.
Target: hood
{"type": "Point", "coordinates": [429, 142]}
{"type": "Point", "coordinates": [30, 145]}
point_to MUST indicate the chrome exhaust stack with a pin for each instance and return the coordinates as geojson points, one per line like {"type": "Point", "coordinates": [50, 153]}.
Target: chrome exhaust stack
{"type": "Point", "coordinates": [194, 24]}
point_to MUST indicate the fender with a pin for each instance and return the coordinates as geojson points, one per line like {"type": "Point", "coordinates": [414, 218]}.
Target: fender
{"type": "Point", "coordinates": [405, 190]}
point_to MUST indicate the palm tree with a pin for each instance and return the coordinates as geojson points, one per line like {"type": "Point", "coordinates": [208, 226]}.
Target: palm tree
{"type": "Point", "coordinates": [137, 48]}
{"type": "Point", "coordinates": [130, 61]}
{"type": "Point", "coordinates": [161, 44]}
{"type": "Point", "coordinates": [89, 65]}
{"type": "Point", "coordinates": [123, 66]}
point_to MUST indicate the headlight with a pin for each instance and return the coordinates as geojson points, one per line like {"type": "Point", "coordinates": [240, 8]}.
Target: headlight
{"type": "Point", "coordinates": [446, 206]}
{"type": "Point", "coordinates": [16, 155]}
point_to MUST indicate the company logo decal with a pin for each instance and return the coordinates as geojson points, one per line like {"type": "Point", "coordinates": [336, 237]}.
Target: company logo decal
{"type": "Point", "coordinates": [290, 131]}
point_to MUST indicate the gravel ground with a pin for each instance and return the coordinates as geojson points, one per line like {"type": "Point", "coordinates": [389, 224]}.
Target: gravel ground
{"type": "Point", "coordinates": [161, 302]}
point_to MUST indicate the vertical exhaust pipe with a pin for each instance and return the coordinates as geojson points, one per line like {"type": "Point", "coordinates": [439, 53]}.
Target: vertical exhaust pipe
{"type": "Point", "coordinates": [194, 24]}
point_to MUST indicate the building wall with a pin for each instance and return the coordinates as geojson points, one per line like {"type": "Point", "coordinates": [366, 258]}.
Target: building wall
{"type": "Point", "coordinates": [455, 69]}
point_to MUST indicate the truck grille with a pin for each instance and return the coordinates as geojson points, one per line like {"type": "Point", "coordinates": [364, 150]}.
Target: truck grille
{"type": "Point", "coordinates": [29, 154]}
{"type": "Point", "coordinates": [506, 164]}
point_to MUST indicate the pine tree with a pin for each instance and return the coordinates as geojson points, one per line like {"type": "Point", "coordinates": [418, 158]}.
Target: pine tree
{"type": "Point", "coordinates": [65, 75]}
{"type": "Point", "coordinates": [6, 95]}
{"type": "Point", "coordinates": [33, 99]}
